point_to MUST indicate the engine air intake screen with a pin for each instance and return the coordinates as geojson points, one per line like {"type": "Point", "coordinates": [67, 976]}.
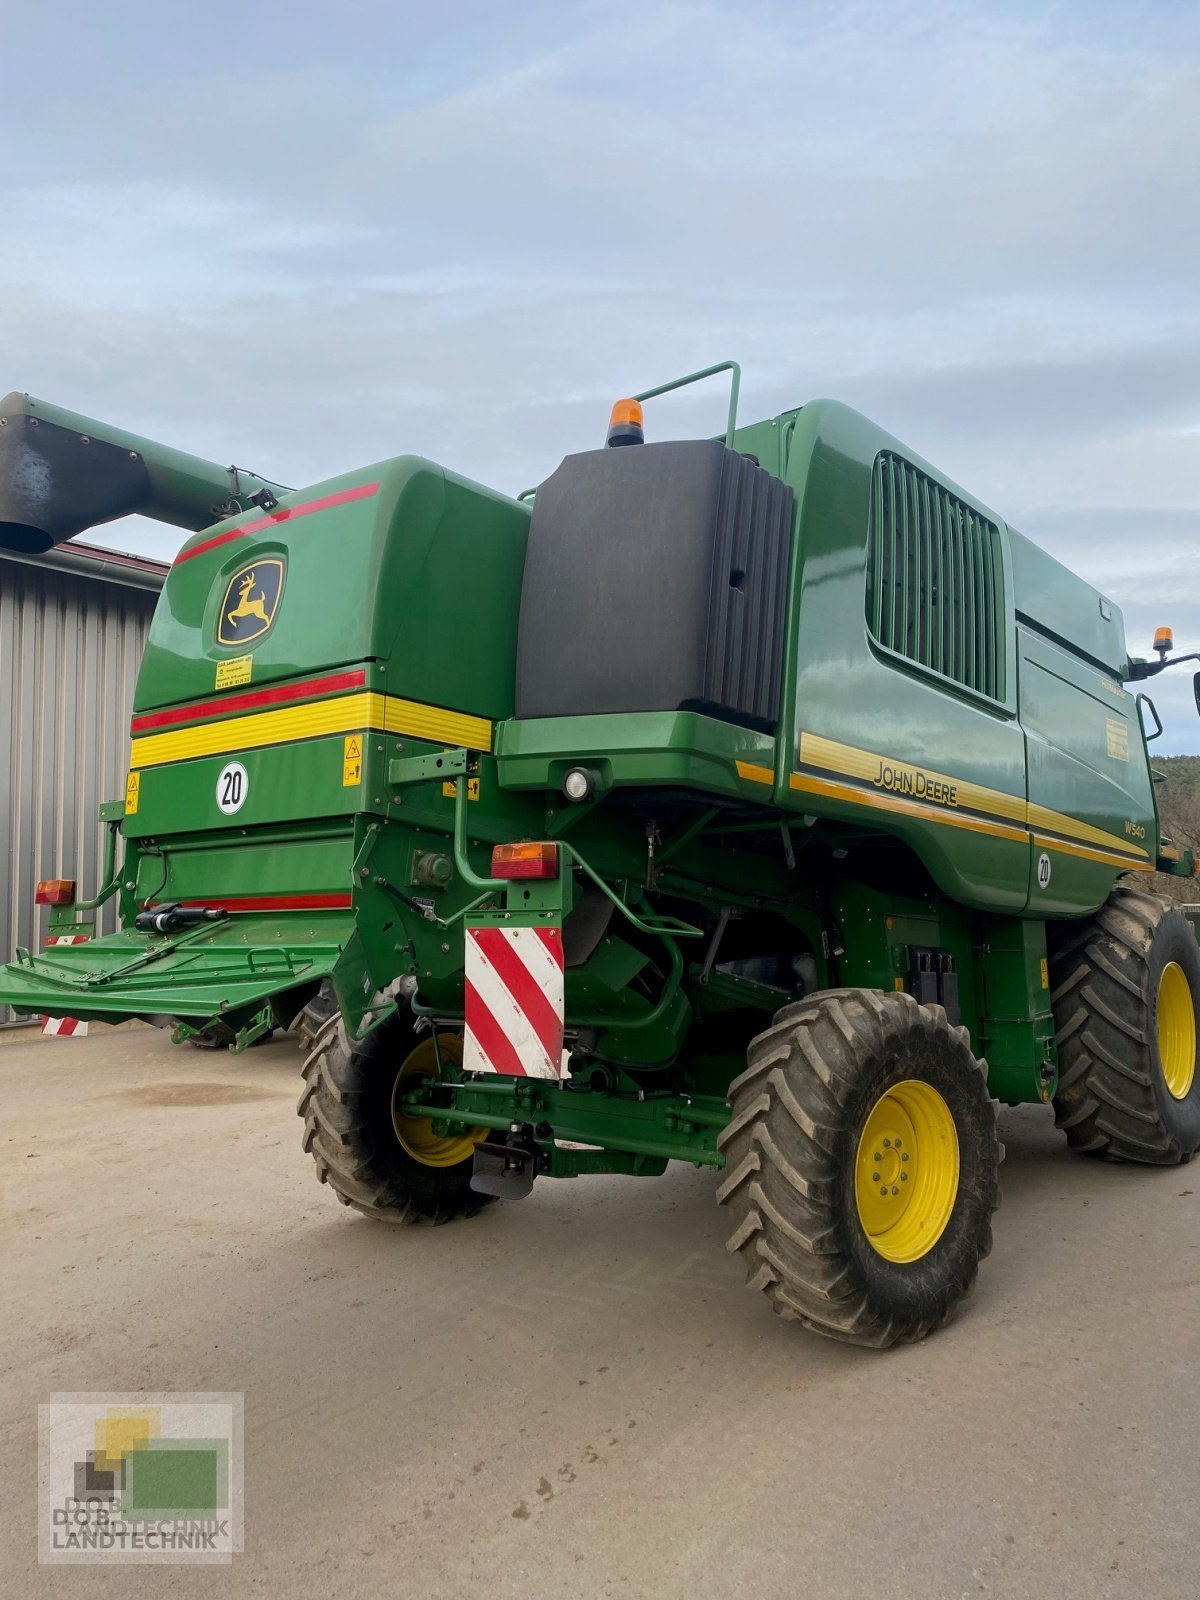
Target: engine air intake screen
{"type": "Point", "coordinates": [655, 580]}
{"type": "Point", "coordinates": [935, 579]}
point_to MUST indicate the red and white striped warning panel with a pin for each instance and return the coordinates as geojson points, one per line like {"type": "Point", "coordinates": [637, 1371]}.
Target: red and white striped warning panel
{"type": "Point", "coordinates": [514, 1002]}
{"type": "Point", "coordinates": [66, 1027]}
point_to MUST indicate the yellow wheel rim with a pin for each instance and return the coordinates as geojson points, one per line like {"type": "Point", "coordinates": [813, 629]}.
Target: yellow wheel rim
{"type": "Point", "coordinates": [906, 1171]}
{"type": "Point", "coordinates": [416, 1134]}
{"type": "Point", "coordinates": [1176, 1030]}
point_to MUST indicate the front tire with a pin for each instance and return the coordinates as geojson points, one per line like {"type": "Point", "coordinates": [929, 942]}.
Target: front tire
{"type": "Point", "coordinates": [1126, 996]}
{"type": "Point", "coordinates": [381, 1163]}
{"type": "Point", "coordinates": [862, 1166]}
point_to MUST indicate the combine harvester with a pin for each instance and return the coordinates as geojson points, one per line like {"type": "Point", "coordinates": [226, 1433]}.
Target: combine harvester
{"type": "Point", "coordinates": [764, 802]}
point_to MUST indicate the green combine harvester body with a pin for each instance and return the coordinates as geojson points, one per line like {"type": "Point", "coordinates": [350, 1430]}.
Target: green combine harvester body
{"type": "Point", "coordinates": [798, 715]}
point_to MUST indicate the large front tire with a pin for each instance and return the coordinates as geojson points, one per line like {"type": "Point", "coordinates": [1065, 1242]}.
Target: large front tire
{"type": "Point", "coordinates": [378, 1161]}
{"type": "Point", "coordinates": [862, 1166]}
{"type": "Point", "coordinates": [1126, 994]}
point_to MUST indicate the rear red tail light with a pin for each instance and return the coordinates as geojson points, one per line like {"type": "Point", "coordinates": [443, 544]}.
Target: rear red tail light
{"type": "Point", "coordinates": [525, 861]}
{"type": "Point", "coordinates": [55, 892]}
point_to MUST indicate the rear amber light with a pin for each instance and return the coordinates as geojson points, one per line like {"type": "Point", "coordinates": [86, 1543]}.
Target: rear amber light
{"type": "Point", "coordinates": [55, 892]}
{"type": "Point", "coordinates": [525, 861]}
{"type": "Point", "coordinates": [625, 413]}
{"type": "Point", "coordinates": [625, 425]}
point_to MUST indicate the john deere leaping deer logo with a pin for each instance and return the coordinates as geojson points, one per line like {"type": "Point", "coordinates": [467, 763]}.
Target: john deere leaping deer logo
{"type": "Point", "coordinates": [251, 601]}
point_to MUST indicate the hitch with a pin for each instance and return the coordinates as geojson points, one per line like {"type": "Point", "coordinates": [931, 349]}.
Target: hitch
{"type": "Point", "coordinates": [507, 1169]}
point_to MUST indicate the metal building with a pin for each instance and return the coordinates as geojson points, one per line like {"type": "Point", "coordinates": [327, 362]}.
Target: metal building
{"type": "Point", "coordinates": [72, 626]}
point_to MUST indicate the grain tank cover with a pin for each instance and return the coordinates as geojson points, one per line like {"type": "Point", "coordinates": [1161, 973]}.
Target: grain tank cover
{"type": "Point", "coordinates": [655, 580]}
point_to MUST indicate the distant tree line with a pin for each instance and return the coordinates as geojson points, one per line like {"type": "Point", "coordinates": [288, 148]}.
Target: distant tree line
{"type": "Point", "coordinates": [1177, 789]}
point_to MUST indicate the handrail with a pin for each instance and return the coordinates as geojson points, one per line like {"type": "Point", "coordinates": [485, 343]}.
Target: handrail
{"type": "Point", "coordinates": [110, 878]}
{"type": "Point", "coordinates": [461, 860]}
{"type": "Point", "coordinates": [660, 927]}
{"type": "Point", "coordinates": [1144, 699]}
{"type": "Point", "coordinates": [735, 384]}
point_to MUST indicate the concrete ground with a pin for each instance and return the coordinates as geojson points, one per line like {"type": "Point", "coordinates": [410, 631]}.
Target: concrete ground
{"type": "Point", "coordinates": [574, 1395]}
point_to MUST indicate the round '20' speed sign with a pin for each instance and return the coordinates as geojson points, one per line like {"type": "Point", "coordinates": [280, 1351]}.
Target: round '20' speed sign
{"type": "Point", "coordinates": [232, 785]}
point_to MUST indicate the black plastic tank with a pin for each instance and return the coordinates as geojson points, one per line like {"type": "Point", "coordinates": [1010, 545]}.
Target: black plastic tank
{"type": "Point", "coordinates": [655, 580]}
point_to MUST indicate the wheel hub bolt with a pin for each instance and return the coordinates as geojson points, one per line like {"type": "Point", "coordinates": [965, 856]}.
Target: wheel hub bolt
{"type": "Point", "coordinates": [904, 1177]}
{"type": "Point", "coordinates": [874, 1177]}
{"type": "Point", "coordinates": [887, 1144]}
{"type": "Point", "coordinates": [883, 1188]}
{"type": "Point", "coordinates": [895, 1190]}
{"type": "Point", "coordinates": [904, 1157]}
{"type": "Point", "coordinates": [879, 1155]}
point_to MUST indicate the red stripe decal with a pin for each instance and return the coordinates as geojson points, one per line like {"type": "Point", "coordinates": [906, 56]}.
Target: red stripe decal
{"type": "Point", "coordinates": [333, 684]}
{"type": "Point", "coordinates": [273, 902]}
{"type": "Point", "coordinates": [523, 986]}
{"type": "Point", "coordinates": [493, 1041]}
{"type": "Point", "coordinates": [273, 519]}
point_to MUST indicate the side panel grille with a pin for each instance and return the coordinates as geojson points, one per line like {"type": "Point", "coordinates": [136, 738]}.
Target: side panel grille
{"type": "Point", "coordinates": [935, 579]}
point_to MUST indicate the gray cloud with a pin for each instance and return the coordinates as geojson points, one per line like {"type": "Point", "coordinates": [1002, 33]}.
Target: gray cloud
{"type": "Point", "coordinates": [308, 241]}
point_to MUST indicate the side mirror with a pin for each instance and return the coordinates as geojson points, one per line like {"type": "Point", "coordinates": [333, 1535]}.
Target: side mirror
{"type": "Point", "coordinates": [1196, 690]}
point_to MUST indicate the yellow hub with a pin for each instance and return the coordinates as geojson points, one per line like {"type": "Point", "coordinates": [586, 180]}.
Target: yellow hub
{"type": "Point", "coordinates": [906, 1171]}
{"type": "Point", "coordinates": [416, 1134]}
{"type": "Point", "coordinates": [1176, 1013]}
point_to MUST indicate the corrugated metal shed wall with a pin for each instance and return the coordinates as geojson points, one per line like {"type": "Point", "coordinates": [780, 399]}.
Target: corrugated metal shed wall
{"type": "Point", "coordinates": [69, 650]}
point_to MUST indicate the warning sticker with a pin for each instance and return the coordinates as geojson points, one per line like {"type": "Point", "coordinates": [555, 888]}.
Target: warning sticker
{"type": "Point", "coordinates": [1045, 973]}
{"type": "Point", "coordinates": [133, 785]}
{"type": "Point", "coordinates": [351, 760]}
{"type": "Point", "coordinates": [1118, 738]}
{"type": "Point", "coordinates": [451, 789]}
{"type": "Point", "coordinates": [232, 673]}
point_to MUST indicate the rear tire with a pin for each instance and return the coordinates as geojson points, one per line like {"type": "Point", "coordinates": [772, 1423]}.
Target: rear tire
{"type": "Point", "coordinates": [392, 1169]}
{"type": "Point", "coordinates": [826, 1246]}
{"type": "Point", "coordinates": [1126, 987]}
{"type": "Point", "coordinates": [309, 1020]}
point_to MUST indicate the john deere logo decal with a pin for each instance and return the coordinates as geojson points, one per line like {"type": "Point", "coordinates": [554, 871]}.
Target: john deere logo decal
{"type": "Point", "coordinates": [250, 602]}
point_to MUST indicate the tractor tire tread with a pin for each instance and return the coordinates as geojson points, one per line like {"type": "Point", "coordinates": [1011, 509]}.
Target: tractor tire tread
{"type": "Point", "coordinates": [1108, 1102]}
{"type": "Point", "coordinates": [782, 1167]}
{"type": "Point", "coordinates": [334, 1105]}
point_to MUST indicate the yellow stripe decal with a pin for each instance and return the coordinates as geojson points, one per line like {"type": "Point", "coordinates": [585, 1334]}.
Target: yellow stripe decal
{"type": "Point", "coordinates": [915, 808]}
{"type": "Point", "coordinates": [1057, 822]}
{"type": "Point", "coordinates": [342, 714]}
{"type": "Point", "coordinates": [900, 787]}
{"type": "Point", "coordinates": [901, 779]}
{"type": "Point", "coordinates": [1087, 853]}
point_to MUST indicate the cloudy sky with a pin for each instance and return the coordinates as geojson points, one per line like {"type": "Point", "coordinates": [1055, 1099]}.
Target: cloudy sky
{"type": "Point", "coordinates": [305, 237]}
